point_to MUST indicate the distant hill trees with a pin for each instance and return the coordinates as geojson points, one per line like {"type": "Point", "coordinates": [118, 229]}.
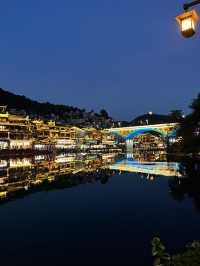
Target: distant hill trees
{"type": "Point", "coordinates": [176, 115]}
{"type": "Point", "coordinates": [151, 119]}
{"type": "Point", "coordinates": [60, 113]}
{"type": "Point", "coordinates": [30, 106]}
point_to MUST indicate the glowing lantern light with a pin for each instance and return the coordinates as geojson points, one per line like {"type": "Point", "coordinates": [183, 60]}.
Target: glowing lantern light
{"type": "Point", "coordinates": [187, 22]}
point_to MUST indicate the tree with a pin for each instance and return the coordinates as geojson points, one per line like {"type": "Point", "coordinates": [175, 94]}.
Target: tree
{"type": "Point", "coordinates": [195, 106]}
{"type": "Point", "coordinates": [104, 114]}
{"type": "Point", "coordinates": [189, 257]}
{"type": "Point", "coordinates": [176, 115]}
{"type": "Point", "coordinates": [190, 128]}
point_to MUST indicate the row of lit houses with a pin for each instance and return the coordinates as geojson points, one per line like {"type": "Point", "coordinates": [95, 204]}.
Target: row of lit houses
{"type": "Point", "coordinates": [22, 133]}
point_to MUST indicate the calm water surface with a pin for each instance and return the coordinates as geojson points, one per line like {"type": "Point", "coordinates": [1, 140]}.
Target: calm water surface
{"type": "Point", "coordinates": [80, 209]}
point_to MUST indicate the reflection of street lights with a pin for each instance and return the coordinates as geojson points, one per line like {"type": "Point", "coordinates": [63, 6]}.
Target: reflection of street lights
{"type": "Point", "coordinates": [188, 20]}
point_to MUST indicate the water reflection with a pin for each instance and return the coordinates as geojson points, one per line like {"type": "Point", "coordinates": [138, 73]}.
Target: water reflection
{"type": "Point", "coordinates": [189, 185]}
{"type": "Point", "coordinates": [123, 210]}
{"type": "Point", "coordinates": [20, 176]}
{"type": "Point", "coordinates": [148, 165]}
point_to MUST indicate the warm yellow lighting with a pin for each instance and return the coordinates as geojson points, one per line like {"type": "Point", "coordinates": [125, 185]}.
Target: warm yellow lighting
{"type": "Point", "coordinates": [187, 22]}
{"type": "Point", "coordinates": [3, 194]}
{"type": "Point", "coordinates": [15, 163]}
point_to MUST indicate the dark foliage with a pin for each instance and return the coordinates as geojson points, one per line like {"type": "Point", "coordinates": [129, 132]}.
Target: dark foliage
{"type": "Point", "coordinates": [176, 116]}
{"type": "Point", "coordinates": [46, 110]}
{"type": "Point", "coordinates": [31, 106]}
{"type": "Point", "coordinates": [104, 114]}
{"type": "Point", "coordinates": [190, 128]}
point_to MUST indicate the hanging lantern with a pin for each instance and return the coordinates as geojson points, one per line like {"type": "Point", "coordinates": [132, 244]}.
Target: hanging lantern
{"type": "Point", "coordinates": [188, 23]}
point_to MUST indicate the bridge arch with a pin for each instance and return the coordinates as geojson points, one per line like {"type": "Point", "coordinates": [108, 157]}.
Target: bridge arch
{"type": "Point", "coordinates": [139, 131]}
{"type": "Point", "coordinates": [173, 134]}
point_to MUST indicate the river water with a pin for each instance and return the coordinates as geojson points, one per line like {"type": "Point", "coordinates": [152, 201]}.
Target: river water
{"type": "Point", "coordinates": [95, 209]}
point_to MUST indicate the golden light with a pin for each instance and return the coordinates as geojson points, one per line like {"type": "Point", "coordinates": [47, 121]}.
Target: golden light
{"type": "Point", "coordinates": [187, 22]}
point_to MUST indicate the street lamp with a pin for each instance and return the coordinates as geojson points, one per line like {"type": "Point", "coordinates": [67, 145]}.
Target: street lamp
{"type": "Point", "coordinates": [188, 20]}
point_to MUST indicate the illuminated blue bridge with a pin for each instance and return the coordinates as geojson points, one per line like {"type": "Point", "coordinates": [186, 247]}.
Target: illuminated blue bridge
{"type": "Point", "coordinates": [165, 131]}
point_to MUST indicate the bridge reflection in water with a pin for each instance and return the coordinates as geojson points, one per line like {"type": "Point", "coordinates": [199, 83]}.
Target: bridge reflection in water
{"type": "Point", "coordinates": [151, 168]}
{"type": "Point", "coordinates": [21, 176]}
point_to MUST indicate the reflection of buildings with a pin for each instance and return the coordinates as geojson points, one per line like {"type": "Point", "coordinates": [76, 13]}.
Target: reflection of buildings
{"type": "Point", "coordinates": [150, 156]}
{"type": "Point", "coordinates": [23, 175]}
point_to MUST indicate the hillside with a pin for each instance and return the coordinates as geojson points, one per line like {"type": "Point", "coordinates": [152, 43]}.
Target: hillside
{"type": "Point", "coordinates": [60, 113]}
{"type": "Point", "coordinates": [30, 106]}
{"type": "Point", "coordinates": [151, 119]}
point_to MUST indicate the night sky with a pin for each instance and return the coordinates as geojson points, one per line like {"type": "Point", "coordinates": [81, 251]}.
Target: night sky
{"type": "Point", "coordinates": [126, 56]}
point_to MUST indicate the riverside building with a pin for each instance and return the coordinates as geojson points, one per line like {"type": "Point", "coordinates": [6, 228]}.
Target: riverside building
{"type": "Point", "coordinates": [22, 133]}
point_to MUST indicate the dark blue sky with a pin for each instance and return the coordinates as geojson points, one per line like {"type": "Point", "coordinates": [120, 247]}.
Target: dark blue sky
{"type": "Point", "coordinates": [123, 55]}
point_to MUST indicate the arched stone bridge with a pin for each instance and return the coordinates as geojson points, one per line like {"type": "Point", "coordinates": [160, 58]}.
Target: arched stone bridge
{"type": "Point", "coordinates": [165, 131]}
